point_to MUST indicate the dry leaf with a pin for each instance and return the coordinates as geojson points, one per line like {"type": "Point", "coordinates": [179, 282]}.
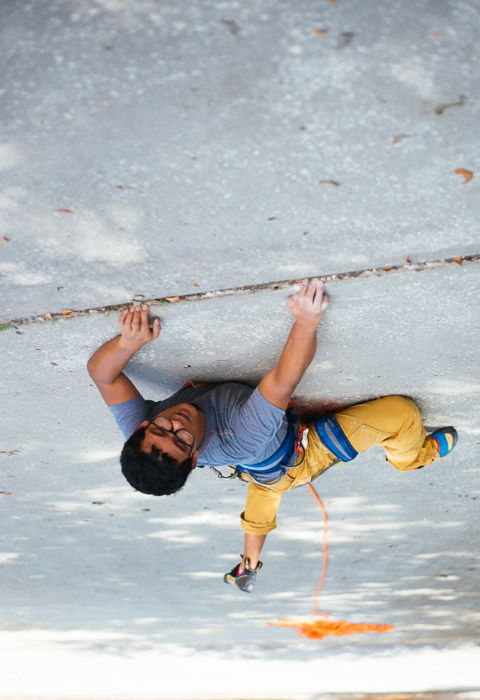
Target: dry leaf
{"type": "Point", "coordinates": [66, 312]}
{"type": "Point", "coordinates": [319, 32]}
{"type": "Point", "coordinates": [399, 137]}
{"type": "Point", "coordinates": [441, 108]}
{"type": "Point", "coordinates": [4, 239]}
{"type": "Point", "coordinates": [459, 261]}
{"type": "Point", "coordinates": [172, 299]}
{"type": "Point", "coordinates": [65, 211]}
{"type": "Point", "coordinates": [344, 40]}
{"type": "Point", "coordinates": [6, 493]}
{"type": "Point", "coordinates": [467, 174]}
{"type": "Point", "coordinates": [48, 315]}
{"type": "Point", "coordinates": [387, 267]}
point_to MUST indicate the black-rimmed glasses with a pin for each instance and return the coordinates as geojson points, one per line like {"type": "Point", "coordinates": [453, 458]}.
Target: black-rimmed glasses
{"type": "Point", "coordinates": [182, 435]}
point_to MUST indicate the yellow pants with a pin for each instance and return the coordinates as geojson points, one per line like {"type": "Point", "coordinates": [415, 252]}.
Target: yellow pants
{"type": "Point", "coordinates": [392, 421]}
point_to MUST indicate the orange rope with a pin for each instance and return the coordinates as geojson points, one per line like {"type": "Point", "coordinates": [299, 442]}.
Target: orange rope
{"type": "Point", "coordinates": [326, 627]}
{"type": "Point", "coordinates": [325, 547]}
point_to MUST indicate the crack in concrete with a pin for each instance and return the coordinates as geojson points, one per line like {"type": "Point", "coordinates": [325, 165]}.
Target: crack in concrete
{"type": "Point", "coordinates": [246, 289]}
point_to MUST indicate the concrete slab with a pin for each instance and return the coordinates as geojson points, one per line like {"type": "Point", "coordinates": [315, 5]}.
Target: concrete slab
{"type": "Point", "coordinates": [96, 568]}
{"type": "Point", "coordinates": [162, 148]}
{"type": "Point", "coordinates": [166, 149]}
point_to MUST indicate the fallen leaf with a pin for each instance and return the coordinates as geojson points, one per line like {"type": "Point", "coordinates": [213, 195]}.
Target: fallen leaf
{"type": "Point", "coordinates": [172, 299]}
{"type": "Point", "coordinates": [6, 493]}
{"type": "Point", "coordinates": [9, 452]}
{"type": "Point", "coordinates": [65, 211]}
{"type": "Point", "coordinates": [66, 312]}
{"type": "Point", "coordinates": [98, 503]}
{"type": "Point", "coordinates": [48, 315]}
{"type": "Point", "coordinates": [344, 40]}
{"type": "Point", "coordinates": [329, 182]}
{"type": "Point", "coordinates": [459, 261]}
{"type": "Point", "coordinates": [441, 108]}
{"type": "Point", "coordinates": [272, 218]}
{"type": "Point", "coordinates": [319, 32]}
{"type": "Point", "coordinates": [399, 137]}
{"type": "Point", "coordinates": [4, 239]}
{"type": "Point", "coordinates": [387, 267]}
{"type": "Point", "coordinates": [407, 261]}
{"type": "Point", "coordinates": [467, 174]}
{"type": "Point", "coordinates": [232, 25]}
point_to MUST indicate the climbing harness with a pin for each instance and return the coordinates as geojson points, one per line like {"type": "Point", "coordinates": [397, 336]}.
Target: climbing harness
{"type": "Point", "coordinates": [329, 432]}
{"type": "Point", "coordinates": [334, 439]}
{"type": "Point", "coordinates": [262, 472]}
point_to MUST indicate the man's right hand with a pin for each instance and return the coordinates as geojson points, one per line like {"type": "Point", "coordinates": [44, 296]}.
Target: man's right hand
{"type": "Point", "coordinates": [135, 331]}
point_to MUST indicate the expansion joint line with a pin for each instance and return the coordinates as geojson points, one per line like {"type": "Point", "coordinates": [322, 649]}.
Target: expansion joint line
{"type": "Point", "coordinates": [407, 266]}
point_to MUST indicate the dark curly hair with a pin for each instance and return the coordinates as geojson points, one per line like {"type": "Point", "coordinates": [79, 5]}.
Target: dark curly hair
{"type": "Point", "coordinates": [154, 472]}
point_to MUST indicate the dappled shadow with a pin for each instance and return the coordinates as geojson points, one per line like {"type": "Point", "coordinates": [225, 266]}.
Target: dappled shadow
{"type": "Point", "coordinates": [104, 568]}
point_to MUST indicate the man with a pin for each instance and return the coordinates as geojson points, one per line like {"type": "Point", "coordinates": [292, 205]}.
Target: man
{"type": "Point", "coordinates": [251, 430]}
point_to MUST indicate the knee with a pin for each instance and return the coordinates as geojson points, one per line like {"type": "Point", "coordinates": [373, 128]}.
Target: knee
{"type": "Point", "coordinates": [402, 406]}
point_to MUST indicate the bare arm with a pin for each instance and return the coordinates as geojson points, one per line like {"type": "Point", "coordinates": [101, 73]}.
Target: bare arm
{"type": "Point", "coordinates": [107, 363]}
{"type": "Point", "coordinates": [277, 386]}
{"type": "Point", "coordinates": [308, 306]}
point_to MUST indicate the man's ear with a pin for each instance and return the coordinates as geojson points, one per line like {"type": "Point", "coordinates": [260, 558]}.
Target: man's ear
{"type": "Point", "coordinates": [194, 459]}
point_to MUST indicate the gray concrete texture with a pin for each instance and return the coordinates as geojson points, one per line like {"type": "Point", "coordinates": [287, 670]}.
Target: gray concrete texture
{"type": "Point", "coordinates": [171, 149]}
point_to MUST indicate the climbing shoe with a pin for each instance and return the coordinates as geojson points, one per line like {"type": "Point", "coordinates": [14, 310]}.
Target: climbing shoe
{"type": "Point", "coordinates": [244, 578]}
{"type": "Point", "coordinates": [446, 439]}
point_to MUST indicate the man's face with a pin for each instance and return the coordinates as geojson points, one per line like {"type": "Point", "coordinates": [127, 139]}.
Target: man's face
{"type": "Point", "coordinates": [184, 416]}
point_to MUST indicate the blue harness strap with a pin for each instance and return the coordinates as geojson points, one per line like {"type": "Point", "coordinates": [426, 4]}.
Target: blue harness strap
{"type": "Point", "coordinates": [334, 439]}
{"type": "Point", "coordinates": [264, 471]}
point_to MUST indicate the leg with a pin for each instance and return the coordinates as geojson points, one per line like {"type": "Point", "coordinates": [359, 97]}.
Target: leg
{"type": "Point", "coordinates": [393, 422]}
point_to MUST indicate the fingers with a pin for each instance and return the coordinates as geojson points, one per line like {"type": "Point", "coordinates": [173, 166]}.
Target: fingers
{"type": "Point", "coordinates": [309, 300]}
{"type": "Point", "coordinates": [155, 328]}
{"type": "Point", "coordinates": [136, 321]}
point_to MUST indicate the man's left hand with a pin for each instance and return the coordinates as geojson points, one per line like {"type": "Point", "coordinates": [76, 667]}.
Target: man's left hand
{"type": "Point", "coordinates": [135, 328]}
{"type": "Point", "coordinates": [309, 302]}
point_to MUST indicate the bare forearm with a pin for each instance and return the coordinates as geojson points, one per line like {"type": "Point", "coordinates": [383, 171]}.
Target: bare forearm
{"type": "Point", "coordinates": [297, 354]}
{"type": "Point", "coordinates": [278, 385]}
{"type": "Point", "coordinates": [107, 363]}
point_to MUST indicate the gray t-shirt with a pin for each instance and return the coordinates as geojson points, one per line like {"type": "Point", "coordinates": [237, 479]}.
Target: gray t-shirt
{"type": "Point", "coordinates": [241, 426]}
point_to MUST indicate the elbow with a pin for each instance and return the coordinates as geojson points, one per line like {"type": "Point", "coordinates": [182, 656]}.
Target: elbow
{"type": "Point", "coordinates": [90, 367]}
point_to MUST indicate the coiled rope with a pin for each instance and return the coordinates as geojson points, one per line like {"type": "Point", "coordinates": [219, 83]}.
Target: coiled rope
{"type": "Point", "coordinates": [324, 626]}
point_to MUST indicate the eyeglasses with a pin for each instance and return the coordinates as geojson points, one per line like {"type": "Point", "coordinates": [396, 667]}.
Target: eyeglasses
{"type": "Point", "coordinates": [182, 435]}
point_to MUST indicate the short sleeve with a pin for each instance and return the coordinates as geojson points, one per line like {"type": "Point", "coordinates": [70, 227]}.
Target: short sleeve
{"type": "Point", "coordinates": [262, 425]}
{"type": "Point", "coordinates": [130, 414]}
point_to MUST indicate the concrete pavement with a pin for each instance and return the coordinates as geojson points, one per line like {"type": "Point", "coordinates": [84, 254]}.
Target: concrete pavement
{"type": "Point", "coordinates": [159, 149]}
